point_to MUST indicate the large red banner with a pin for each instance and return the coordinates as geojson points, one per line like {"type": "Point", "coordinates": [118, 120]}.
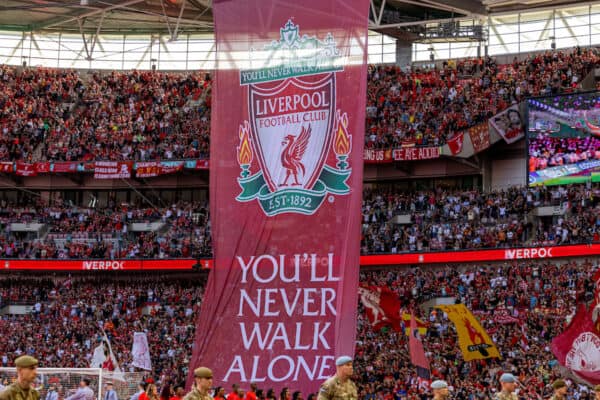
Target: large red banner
{"type": "Point", "coordinates": [288, 132]}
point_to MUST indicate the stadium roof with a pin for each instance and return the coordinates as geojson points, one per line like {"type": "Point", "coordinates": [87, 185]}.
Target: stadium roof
{"type": "Point", "coordinates": [177, 16]}
{"type": "Point", "coordinates": [107, 16]}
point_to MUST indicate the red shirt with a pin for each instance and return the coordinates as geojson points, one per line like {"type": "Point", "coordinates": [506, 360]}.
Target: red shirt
{"type": "Point", "coordinates": [250, 396]}
{"type": "Point", "coordinates": [233, 396]}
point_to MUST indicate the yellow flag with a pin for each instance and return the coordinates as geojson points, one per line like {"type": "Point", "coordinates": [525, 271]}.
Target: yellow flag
{"type": "Point", "coordinates": [473, 340]}
{"type": "Point", "coordinates": [421, 326]}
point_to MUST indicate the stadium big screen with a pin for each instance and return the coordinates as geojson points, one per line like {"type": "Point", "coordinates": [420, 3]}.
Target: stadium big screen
{"type": "Point", "coordinates": [563, 139]}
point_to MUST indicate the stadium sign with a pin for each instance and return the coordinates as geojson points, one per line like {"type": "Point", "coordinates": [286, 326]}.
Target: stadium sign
{"type": "Point", "coordinates": [294, 126]}
{"type": "Point", "coordinates": [466, 256]}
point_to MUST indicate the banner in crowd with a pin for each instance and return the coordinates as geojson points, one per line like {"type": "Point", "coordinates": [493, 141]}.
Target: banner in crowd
{"type": "Point", "coordinates": [110, 363]}
{"type": "Point", "coordinates": [383, 308]}
{"type": "Point", "coordinates": [152, 169]}
{"type": "Point", "coordinates": [509, 124]}
{"type": "Point", "coordinates": [416, 153]}
{"type": "Point", "coordinates": [98, 357]}
{"type": "Point", "coordinates": [372, 156]}
{"type": "Point", "coordinates": [417, 352]}
{"type": "Point", "coordinates": [288, 134]}
{"type": "Point", "coordinates": [480, 137]}
{"type": "Point", "coordinates": [112, 170]}
{"type": "Point", "coordinates": [25, 169]}
{"type": "Point", "coordinates": [67, 167]}
{"type": "Point", "coordinates": [578, 347]}
{"type": "Point", "coordinates": [456, 143]}
{"type": "Point", "coordinates": [42, 167]}
{"type": "Point", "coordinates": [503, 316]}
{"type": "Point", "coordinates": [140, 351]}
{"type": "Point", "coordinates": [197, 164]}
{"type": "Point", "coordinates": [474, 342]}
{"type": "Point", "coordinates": [6, 166]}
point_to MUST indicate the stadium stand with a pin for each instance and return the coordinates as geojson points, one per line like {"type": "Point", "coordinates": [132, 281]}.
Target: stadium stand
{"type": "Point", "coordinates": [393, 222]}
{"type": "Point", "coordinates": [58, 115]}
{"type": "Point", "coordinates": [542, 295]}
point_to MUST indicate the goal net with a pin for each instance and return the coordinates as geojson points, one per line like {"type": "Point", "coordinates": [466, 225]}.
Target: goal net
{"type": "Point", "coordinates": [66, 381]}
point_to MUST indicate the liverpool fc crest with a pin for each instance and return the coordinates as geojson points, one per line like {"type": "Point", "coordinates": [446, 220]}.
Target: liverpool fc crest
{"type": "Point", "coordinates": [293, 151]}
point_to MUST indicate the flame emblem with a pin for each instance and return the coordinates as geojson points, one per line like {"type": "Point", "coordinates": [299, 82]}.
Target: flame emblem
{"type": "Point", "coordinates": [343, 141]}
{"type": "Point", "coordinates": [244, 150]}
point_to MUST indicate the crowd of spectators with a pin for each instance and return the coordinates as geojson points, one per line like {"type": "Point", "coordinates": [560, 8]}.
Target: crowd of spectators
{"type": "Point", "coordinates": [69, 313]}
{"type": "Point", "coordinates": [64, 115]}
{"type": "Point", "coordinates": [427, 107]}
{"type": "Point", "coordinates": [541, 295]}
{"type": "Point", "coordinates": [183, 231]}
{"type": "Point", "coordinates": [393, 221]}
{"type": "Point", "coordinates": [547, 151]}
{"type": "Point", "coordinates": [407, 221]}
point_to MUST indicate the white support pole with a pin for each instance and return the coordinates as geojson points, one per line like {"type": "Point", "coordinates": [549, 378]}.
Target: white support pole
{"type": "Point", "coordinates": [175, 31]}
{"type": "Point", "coordinates": [162, 4]}
{"type": "Point", "coordinates": [100, 385]}
{"type": "Point", "coordinates": [95, 38]}
{"type": "Point", "coordinates": [379, 18]}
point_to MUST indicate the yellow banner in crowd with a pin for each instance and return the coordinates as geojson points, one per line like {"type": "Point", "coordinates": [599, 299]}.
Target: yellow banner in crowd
{"type": "Point", "coordinates": [473, 340]}
{"type": "Point", "coordinates": [421, 326]}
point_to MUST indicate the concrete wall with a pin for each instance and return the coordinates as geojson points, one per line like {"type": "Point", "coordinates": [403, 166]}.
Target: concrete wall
{"type": "Point", "coordinates": [439, 167]}
{"type": "Point", "coordinates": [509, 172]}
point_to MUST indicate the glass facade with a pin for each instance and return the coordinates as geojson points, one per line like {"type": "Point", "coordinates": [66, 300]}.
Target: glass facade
{"type": "Point", "coordinates": [507, 34]}
{"type": "Point", "coordinates": [189, 52]}
{"type": "Point", "coordinates": [525, 32]}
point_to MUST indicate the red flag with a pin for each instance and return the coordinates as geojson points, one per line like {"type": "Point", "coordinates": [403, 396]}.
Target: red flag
{"type": "Point", "coordinates": [382, 307]}
{"type": "Point", "coordinates": [456, 143]}
{"type": "Point", "coordinates": [417, 353]}
{"type": "Point", "coordinates": [578, 347]}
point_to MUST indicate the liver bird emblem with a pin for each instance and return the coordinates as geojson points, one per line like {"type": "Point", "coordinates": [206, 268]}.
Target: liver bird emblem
{"type": "Point", "coordinates": [291, 156]}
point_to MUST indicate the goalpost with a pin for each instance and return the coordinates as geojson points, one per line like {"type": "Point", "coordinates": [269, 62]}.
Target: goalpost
{"type": "Point", "coordinates": [66, 381]}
